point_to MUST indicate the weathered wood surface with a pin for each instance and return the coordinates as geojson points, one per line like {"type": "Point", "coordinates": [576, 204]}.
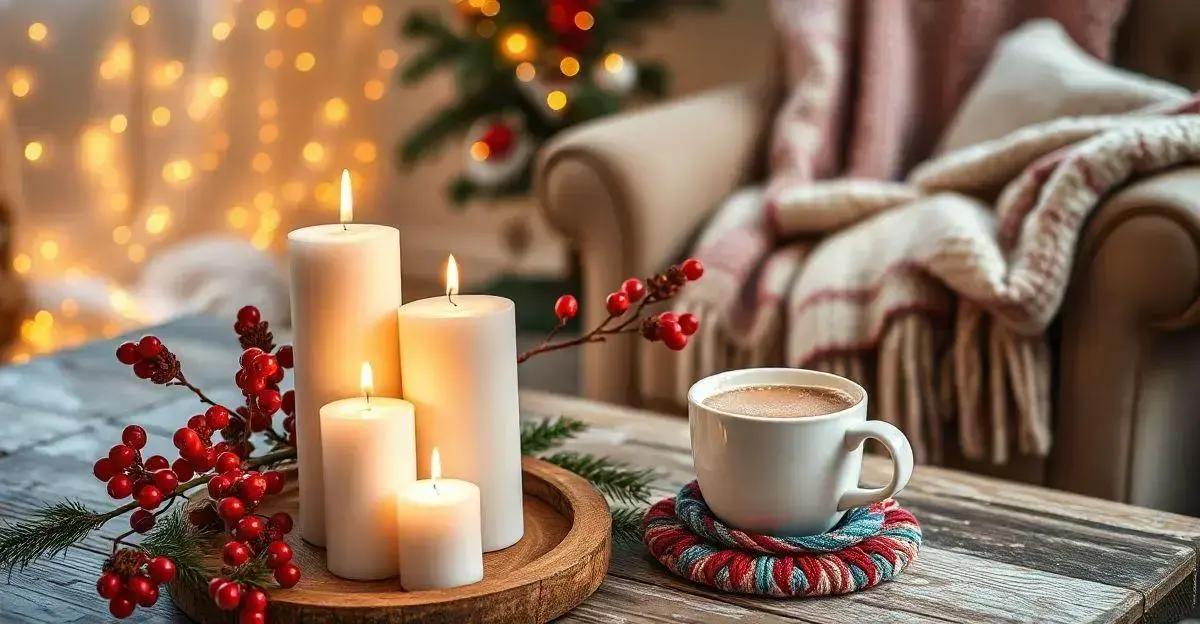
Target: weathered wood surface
{"type": "Point", "coordinates": [995, 551]}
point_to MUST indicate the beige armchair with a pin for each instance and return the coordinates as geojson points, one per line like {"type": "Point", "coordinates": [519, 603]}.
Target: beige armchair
{"type": "Point", "coordinates": [629, 191]}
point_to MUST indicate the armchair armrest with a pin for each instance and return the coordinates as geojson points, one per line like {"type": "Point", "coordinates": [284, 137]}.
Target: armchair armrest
{"type": "Point", "coordinates": [1126, 425]}
{"type": "Point", "coordinates": [628, 191]}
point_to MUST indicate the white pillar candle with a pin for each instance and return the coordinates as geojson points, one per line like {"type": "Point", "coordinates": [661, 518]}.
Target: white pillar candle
{"type": "Point", "coordinates": [368, 450]}
{"type": "Point", "coordinates": [439, 532]}
{"type": "Point", "coordinates": [459, 362]}
{"type": "Point", "coordinates": [345, 291]}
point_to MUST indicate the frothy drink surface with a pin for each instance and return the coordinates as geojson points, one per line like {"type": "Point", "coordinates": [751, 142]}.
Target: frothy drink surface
{"type": "Point", "coordinates": [781, 401]}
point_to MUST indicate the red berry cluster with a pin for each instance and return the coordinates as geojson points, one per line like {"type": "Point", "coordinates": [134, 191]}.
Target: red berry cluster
{"type": "Point", "coordinates": [259, 378]}
{"type": "Point", "coordinates": [130, 579]}
{"type": "Point", "coordinates": [149, 481]}
{"type": "Point", "coordinates": [253, 536]}
{"type": "Point", "coordinates": [673, 329]}
{"type": "Point", "coordinates": [252, 331]}
{"type": "Point", "coordinates": [150, 359]}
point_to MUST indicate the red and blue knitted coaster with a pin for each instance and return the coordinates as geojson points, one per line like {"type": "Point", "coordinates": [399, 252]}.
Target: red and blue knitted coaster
{"type": "Point", "coordinates": [869, 546]}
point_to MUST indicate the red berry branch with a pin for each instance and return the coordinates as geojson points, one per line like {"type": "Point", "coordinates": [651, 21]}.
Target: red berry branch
{"type": "Point", "coordinates": [626, 318]}
{"type": "Point", "coordinates": [236, 487]}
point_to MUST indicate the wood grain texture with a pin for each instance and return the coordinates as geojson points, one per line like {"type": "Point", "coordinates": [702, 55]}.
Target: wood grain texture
{"type": "Point", "coordinates": [995, 550]}
{"type": "Point", "coordinates": [560, 561]}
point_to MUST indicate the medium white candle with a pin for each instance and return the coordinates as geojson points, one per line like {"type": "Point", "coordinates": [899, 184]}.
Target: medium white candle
{"type": "Point", "coordinates": [439, 532]}
{"type": "Point", "coordinates": [345, 291]}
{"type": "Point", "coordinates": [459, 362]}
{"type": "Point", "coordinates": [368, 449]}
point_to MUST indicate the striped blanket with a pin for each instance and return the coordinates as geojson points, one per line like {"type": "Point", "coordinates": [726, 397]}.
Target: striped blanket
{"type": "Point", "coordinates": [933, 292]}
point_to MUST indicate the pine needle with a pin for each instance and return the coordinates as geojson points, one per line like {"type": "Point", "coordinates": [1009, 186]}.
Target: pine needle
{"type": "Point", "coordinates": [47, 532]}
{"type": "Point", "coordinates": [614, 479]}
{"type": "Point", "coordinates": [548, 433]}
{"type": "Point", "coordinates": [627, 524]}
{"type": "Point", "coordinates": [194, 554]}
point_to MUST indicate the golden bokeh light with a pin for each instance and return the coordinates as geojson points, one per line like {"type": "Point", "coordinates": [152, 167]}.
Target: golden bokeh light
{"type": "Point", "coordinates": [118, 202]}
{"type": "Point", "coordinates": [22, 263]}
{"type": "Point", "coordinates": [268, 133]}
{"type": "Point", "coordinates": [122, 234]}
{"type": "Point", "coordinates": [263, 200]}
{"type": "Point", "coordinates": [490, 8]}
{"type": "Point", "coordinates": [273, 59]}
{"type": "Point", "coordinates": [237, 217]}
{"type": "Point", "coordinates": [305, 61]}
{"type": "Point", "coordinates": [613, 62]}
{"type": "Point", "coordinates": [37, 32]}
{"type": "Point", "coordinates": [158, 219]}
{"type": "Point", "coordinates": [34, 151]}
{"type": "Point", "coordinates": [261, 162]}
{"type": "Point", "coordinates": [177, 171]}
{"type": "Point", "coordinates": [373, 89]}
{"type": "Point", "coordinates": [517, 45]}
{"type": "Point", "coordinates": [165, 74]}
{"type": "Point", "coordinates": [118, 61]}
{"type": "Point", "coordinates": [20, 81]}
{"type": "Point", "coordinates": [136, 253]}
{"type": "Point", "coordinates": [584, 20]}
{"type": "Point", "coordinates": [336, 110]}
{"type": "Point", "coordinates": [569, 66]}
{"type": "Point", "coordinates": [265, 19]}
{"type": "Point", "coordinates": [118, 123]}
{"type": "Point", "coordinates": [365, 152]}
{"type": "Point", "coordinates": [218, 86]}
{"type": "Point", "coordinates": [556, 100]}
{"type": "Point", "coordinates": [313, 152]}
{"type": "Point", "coordinates": [267, 109]}
{"type": "Point", "coordinates": [140, 15]}
{"type": "Point", "coordinates": [372, 15]}
{"type": "Point", "coordinates": [526, 71]}
{"type": "Point", "coordinates": [296, 17]}
{"type": "Point", "coordinates": [160, 116]}
{"type": "Point", "coordinates": [221, 31]}
{"type": "Point", "coordinates": [388, 58]}
{"type": "Point", "coordinates": [48, 249]}
{"type": "Point", "coordinates": [480, 151]}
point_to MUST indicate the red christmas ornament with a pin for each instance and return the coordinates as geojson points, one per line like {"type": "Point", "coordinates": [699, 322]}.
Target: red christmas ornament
{"type": "Point", "coordinates": [500, 139]}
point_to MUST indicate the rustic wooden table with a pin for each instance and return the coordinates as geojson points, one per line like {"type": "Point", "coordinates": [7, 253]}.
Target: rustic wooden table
{"type": "Point", "coordinates": [994, 551]}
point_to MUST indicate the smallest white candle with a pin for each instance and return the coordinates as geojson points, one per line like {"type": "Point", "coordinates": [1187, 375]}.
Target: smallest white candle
{"type": "Point", "coordinates": [439, 532]}
{"type": "Point", "coordinates": [368, 447]}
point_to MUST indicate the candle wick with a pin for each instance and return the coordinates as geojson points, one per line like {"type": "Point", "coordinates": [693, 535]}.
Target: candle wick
{"type": "Point", "coordinates": [435, 488]}
{"type": "Point", "coordinates": [345, 228]}
{"type": "Point", "coordinates": [450, 296]}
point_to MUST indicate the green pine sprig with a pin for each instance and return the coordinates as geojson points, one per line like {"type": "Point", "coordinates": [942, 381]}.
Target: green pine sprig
{"type": "Point", "coordinates": [543, 435]}
{"type": "Point", "coordinates": [190, 548]}
{"type": "Point", "coordinates": [627, 524]}
{"type": "Point", "coordinates": [617, 480]}
{"type": "Point", "coordinates": [46, 533]}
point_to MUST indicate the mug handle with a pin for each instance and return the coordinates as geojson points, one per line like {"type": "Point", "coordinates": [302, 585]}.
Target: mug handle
{"type": "Point", "coordinates": [902, 462]}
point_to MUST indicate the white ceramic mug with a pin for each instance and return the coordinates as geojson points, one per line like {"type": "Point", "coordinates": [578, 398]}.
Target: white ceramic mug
{"type": "Point", "coordinates": [787, 476]}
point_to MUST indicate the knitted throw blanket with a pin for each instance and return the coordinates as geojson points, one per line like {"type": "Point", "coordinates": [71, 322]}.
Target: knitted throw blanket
{"type": "Point", "coordinates": [935, 292]}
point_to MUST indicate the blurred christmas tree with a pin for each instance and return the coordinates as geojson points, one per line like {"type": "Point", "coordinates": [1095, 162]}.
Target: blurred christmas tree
{"type": "Point", "coordinates": [524, 70]}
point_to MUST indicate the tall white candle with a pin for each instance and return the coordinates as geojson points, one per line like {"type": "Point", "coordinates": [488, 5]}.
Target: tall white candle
{"type": "Point", "coordinates": [459, 362]}
{"type": "Point", "coordinates": [439, 533]}
{"type": "Point", "coordinates": [345, 291]}
{"type": "Point", "coordinates": [368, 448]}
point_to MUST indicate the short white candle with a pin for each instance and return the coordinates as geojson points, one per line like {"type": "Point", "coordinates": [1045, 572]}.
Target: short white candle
{"type": "Point", "coordinates": [438, 527]}
{"type": "Point", "coordinates": [458, 358]}
{"type": "Point", "coordinates": [368, 450]}
{"type": "Point", "coordinates": [345, 291]}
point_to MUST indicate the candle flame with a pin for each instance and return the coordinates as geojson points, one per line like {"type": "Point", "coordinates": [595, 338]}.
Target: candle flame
{"type": "Point", "coordinates": [367, 380]}
{"type": "Point", "coordinates": [435, 466]}
{"type": "Point", "coordinates": [451, 276]}
{"type": "Point", "coordinates": [347, 205]}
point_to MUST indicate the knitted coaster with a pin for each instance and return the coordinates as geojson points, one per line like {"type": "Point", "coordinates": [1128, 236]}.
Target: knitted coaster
{"type": "Point", "coordinates": [868, 546]}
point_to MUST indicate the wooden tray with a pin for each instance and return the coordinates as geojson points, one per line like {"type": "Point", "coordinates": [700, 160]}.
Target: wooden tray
{"type": "Point", "coordinates": [559, 562]}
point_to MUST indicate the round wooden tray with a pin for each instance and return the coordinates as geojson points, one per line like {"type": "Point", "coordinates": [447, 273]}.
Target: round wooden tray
{"type": "Point", "coordinates": [559, 562]}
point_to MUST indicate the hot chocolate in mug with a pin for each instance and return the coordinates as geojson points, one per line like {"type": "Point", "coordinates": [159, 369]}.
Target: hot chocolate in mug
{"type": "Point", "coordinates": [787, 476]}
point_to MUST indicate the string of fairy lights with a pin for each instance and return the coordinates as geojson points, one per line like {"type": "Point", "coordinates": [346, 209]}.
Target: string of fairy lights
{"type": "Point", "coordinates": [251, 127]}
